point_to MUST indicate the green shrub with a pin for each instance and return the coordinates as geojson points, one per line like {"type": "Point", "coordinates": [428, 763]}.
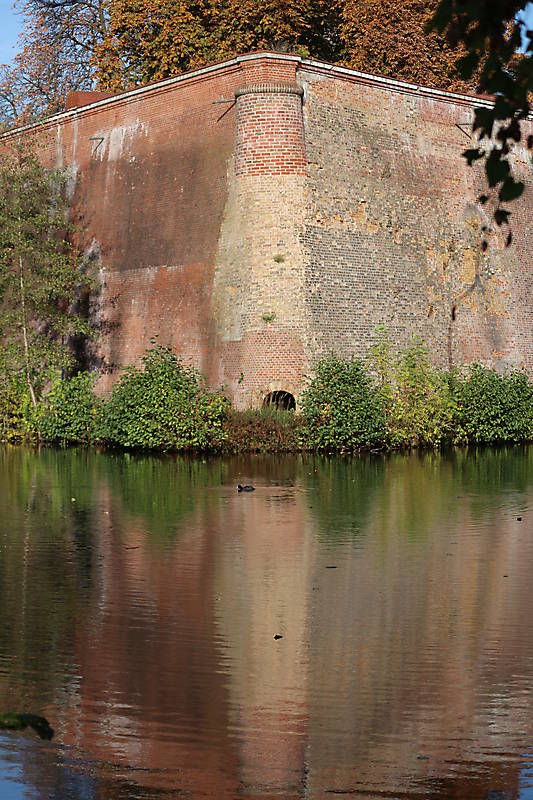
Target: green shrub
{"type": "Point", "coordinates": [163, 406]}
{"type": "Point", "coordinates": [263, 430]}
{"type": "Point", "coordinates": [418, 399]}
{"type": "Point", "coordinates": [341, 407]}
{"type": "Point", "coordinates": [493, 408]}
{"type": "Point", "coordinates": [70, 412]}
{"type": "Point", "coordinates": [422, 411]}
{"type": "Point", "coordinates": [400, 400]}
{"type": "Point", "coordinates": [16, 411]}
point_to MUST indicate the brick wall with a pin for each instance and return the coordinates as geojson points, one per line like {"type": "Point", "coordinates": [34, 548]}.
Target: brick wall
{"type": "Point", "coordinates": [392, 233]}
{"type": "Point", "coordinates": [257, 214]}
{"type": "Point", "coordinates": [269, 129]}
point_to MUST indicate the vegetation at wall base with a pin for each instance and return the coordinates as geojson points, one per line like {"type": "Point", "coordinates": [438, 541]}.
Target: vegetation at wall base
{"type": "Point", "coordinates": [390, 401]}
{"type": "Point", "coordinates": [163, 405]}
{"type": "Point", "coordinates": [16, 410]}
{"type": "Point", "coordinates": [42, 277]}
{"type": "Point", "coordinates": [341, 408]}
{"type": "Point", "coordinates": [263, 430]}
{"type": "Point", "coordinates": [492, 408]}
{"type": "Point", "coordinates": [417, 399]}
{"type": "Point", "coordinates": [70, 413]}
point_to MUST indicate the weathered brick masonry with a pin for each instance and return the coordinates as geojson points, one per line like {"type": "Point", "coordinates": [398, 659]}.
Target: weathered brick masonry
{"type": "Point", "coordinates": [257, 214]}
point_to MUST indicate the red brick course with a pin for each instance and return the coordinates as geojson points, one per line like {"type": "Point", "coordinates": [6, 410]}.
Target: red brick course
{"type": "Point", "coordinates": [270, 133]}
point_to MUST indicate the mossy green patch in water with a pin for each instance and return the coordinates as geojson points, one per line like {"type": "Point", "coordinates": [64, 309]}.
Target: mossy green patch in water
{"type": "Point", "coordinates": [19, 722]}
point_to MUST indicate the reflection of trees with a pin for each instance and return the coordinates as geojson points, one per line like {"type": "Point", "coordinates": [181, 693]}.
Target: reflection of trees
{"type": "Point", "coordinates": [342, 492]}
{"type": "Point", "coordinates": [162, 491]}
{"type": "Point", "coordinates": [354, 496]}
{"type": "Point", "coordinates": [45, 571]}
{"type": "Point", "coordinates": [494, 472]}
{"type": "Point", "coordinates": [163, 657]}
{"type": "Point", "coordinates": [419, 638]}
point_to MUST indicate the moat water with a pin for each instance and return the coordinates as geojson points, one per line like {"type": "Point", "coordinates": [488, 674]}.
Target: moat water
{"type": "Point", "coordinates": [141, 599]}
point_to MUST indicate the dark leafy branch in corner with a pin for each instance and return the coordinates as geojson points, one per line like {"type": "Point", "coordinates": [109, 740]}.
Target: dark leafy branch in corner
{"type": "Point", "coordinates": [19, 722]}
{"type": "Point", "coordinates": [492, 35]}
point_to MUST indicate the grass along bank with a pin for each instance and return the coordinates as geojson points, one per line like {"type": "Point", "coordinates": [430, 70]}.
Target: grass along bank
{"type": "Point", "coordinates": [387, 401]}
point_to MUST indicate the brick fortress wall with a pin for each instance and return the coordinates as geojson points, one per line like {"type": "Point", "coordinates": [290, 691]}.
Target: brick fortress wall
{"type": "Point", "coordinates": [393, 231]}
{"type": "Point", "coordinates": [258, 214]}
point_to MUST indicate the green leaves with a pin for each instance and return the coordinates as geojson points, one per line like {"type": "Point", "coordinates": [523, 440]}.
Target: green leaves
{"type": "Point", "coordinates": [341, 408]}
{"type": "Point", "coordinates": [164, 405]}
{"type": "Point", "coordinates": [399, 400]}
{"type": "Point", "coordinates": [468, 64]}
{"type": "Point", "coordinates": [473, 154]}
{"type": "Point", "coordinates": [70, 413]}
{"type": "Point", "coordinates": [415, 395]}
{"type": "Point", "coordinates": [493, 408]}
{"type": "Point", "coordinates": [394, 400]}
{"type": "Point", "coordinates": [40, 273]}
{"type": "Point", "coordinates": [496, 167]}
{"type": "Point", "coordinates": [490, 34]}
{"type": "Point", "coordinates": [511, 190]}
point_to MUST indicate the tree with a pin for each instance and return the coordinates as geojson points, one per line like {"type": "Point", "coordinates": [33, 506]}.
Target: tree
{"type": "Point", "coordinates": [154, 39]}
{"type": "Point", "coordinates": [117, 44]}
{"type": "Point", "coordinates": [40, 273]}
{"type": "Point", "coordinates": [390, 37]}
{"type": "Point", "coordinates": [491, 35]}
{"type": "Point", "coordinates": [57, 55]}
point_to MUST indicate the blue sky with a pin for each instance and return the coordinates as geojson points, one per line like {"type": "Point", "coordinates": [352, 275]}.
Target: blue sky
{"type": "Point", "coordinates": [10, 24]}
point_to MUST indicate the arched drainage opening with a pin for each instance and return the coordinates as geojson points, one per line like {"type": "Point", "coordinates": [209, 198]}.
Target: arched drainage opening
{"type": "Point", "coordinates": [282, 401]}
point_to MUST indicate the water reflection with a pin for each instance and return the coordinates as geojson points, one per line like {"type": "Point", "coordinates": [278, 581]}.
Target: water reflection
{"type": "Point", "coordinates": [141, 596]}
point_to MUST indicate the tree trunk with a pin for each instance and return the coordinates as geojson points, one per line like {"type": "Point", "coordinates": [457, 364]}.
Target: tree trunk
{"type": "Point", "coordinates": [25, 335]}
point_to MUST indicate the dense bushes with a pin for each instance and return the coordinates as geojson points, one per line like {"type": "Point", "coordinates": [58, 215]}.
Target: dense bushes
{"type": "Point", "coordinates": [71, 413]}
{"type": "Point", "coordinates": [163, 406]}
{"type": "Point", "coordinates": [409, 403]}
{"type": "Point", "coordinates": [493, 408]}
{"type": "Point", "coordinates": [390, 401]}
{"type": "Point", "coordinates": [16, 412]}
{"type": "Point", "coordinates": [417, 398]}
{"type": "Point", "coordinates": [341, 408]}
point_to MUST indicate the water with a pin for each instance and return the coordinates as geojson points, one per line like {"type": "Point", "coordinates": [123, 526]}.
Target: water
{"type": "Point", "coordinates": [140, 598]}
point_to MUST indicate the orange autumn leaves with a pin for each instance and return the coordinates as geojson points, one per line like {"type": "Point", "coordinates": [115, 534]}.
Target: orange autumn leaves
{"type": "Point", "coordinates": [388, 37]}
{"type": "Point", "coordinates": [116, 44]}
{"type": "Point", "coordinates": [152, 39]}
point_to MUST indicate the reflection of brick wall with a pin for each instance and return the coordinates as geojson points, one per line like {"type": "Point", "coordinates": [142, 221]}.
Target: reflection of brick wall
{"type": "Point", "coordinates": [257, 214]}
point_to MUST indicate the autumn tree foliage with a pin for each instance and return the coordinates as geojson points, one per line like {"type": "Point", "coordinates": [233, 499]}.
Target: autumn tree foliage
{"type": "Point", "coordinates": [116, 44]}
{"type": "Point", "coordinates": [153, 39]}
{"type": "Point", "coordinates": [390, 37]}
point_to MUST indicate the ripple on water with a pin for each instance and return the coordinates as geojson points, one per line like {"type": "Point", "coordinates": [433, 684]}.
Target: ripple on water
{"type": "Point", "coordinates": [141, 620]}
